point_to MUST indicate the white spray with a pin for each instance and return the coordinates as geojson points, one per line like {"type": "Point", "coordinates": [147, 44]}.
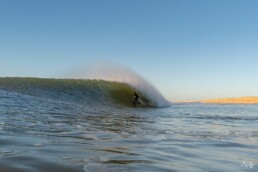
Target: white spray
{"type": "Point", "coordinates": [119, 73]}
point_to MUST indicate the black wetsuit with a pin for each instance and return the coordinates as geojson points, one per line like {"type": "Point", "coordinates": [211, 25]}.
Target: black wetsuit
{"type": "Point", "coordinates": [135, 101]}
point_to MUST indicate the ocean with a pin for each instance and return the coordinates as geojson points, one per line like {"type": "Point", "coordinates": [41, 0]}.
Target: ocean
{"type": "Point", "coordinates": [70, 125]}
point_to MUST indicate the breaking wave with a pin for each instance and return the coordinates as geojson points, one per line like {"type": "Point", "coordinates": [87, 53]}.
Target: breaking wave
{"type": "Point", "coordinates": [119, 73]}
{"type": "Point", "coordinates": [86, 91]}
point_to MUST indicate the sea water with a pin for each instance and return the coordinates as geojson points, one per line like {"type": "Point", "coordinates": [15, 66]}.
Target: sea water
{"type": "Point", "coordinates": [49, 128]}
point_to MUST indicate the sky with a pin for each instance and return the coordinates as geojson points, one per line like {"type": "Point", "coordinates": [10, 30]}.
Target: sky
{"type": "Point", "coordinates": [188, 49]}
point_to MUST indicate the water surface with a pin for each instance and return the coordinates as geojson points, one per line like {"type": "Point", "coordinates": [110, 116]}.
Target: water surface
{"type": "Point", "coordinates": [41, 132]}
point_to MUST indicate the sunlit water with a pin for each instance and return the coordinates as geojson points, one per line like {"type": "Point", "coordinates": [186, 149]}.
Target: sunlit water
{"type": "Point", "coordinates": [38, 134]}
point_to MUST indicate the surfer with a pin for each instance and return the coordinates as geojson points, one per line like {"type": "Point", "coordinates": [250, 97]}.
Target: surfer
{"type": "Point", "coordinates": [135, 99]}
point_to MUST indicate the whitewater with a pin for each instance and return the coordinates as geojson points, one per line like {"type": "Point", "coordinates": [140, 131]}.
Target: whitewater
{"type": "Point", "coordinates": [88, 124]}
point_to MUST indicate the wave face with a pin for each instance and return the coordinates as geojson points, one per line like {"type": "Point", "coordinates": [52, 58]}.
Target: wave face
{"type": "Point", "coordinates": [86, 91]}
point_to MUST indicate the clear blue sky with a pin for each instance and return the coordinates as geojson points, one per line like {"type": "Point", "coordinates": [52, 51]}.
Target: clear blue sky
{"type": "Point", "coordinates": [189, 49]}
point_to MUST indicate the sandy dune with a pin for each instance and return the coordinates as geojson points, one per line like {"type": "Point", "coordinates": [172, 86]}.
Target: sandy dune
{"type": "Point", "coordinates": [238, 100]}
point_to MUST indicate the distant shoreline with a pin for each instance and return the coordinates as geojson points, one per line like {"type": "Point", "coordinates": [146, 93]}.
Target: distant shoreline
{"type": "Point", "coordinates": [236, 100]}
